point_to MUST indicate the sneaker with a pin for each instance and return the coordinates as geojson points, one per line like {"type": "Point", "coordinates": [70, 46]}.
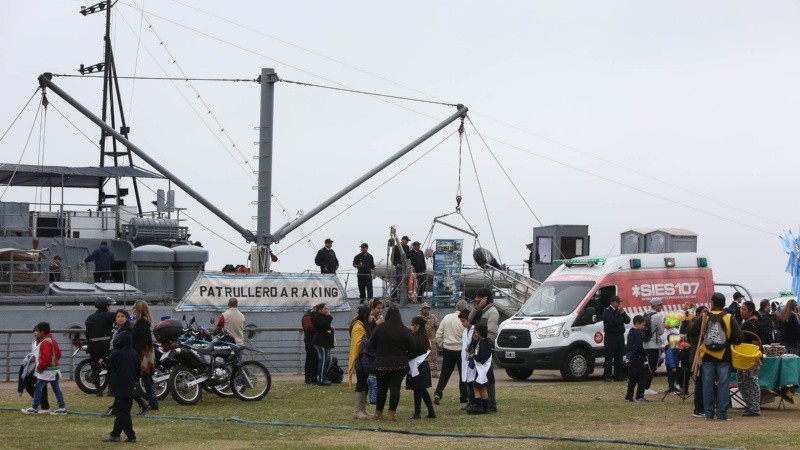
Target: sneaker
{"type": "Point", "coordinates": [628, 399]}
{"type": "Point", "coordinates": [698, 415]}
{"type": "Point", "coordinates": [437, 399]}
{"type": "Point", "coordinates": [642, 400]}
{"type": "Point", "coordinates": [727, 418]}
{"type": "Point", "coordinates": [59, 412]}
{"type": "Point", "coordinates": [45, 411]}
{"type": "Point", "coordinates": [751, 414]}
{"type": "Point", "coordinates": [30, 411]}
{"type": "Point", "coordinates": [650, 392]}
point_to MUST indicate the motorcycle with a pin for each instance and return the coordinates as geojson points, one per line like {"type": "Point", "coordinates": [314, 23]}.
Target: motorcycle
{"type": "Point", "coordinates": [214, 362]}
{"type": "Point", "coordinates": [83, 371]}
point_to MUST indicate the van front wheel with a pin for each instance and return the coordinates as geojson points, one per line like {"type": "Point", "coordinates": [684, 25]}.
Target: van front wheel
{"type": "Point", "coordinates": [576, 366]}
{"type": "Point", "coordinates": [519, 374]}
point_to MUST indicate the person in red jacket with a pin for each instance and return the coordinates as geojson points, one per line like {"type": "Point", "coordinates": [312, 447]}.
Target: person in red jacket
{"type": "Point", "coordinates": [47, 370]}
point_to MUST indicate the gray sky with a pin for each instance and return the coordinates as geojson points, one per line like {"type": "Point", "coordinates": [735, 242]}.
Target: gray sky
{"type": "Point", "coordinates": [618, 115]}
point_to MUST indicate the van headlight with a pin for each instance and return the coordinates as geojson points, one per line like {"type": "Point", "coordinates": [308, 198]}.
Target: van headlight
{"type": "Point", "coordinates": [548, 332]}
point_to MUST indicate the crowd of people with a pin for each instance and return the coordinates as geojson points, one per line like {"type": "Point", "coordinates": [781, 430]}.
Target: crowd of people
{"type": "Point", "coordinates": [711, 335]}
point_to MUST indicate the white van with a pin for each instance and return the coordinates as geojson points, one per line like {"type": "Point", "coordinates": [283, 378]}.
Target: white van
{"type": "Point", "coordinates": [560, 326]}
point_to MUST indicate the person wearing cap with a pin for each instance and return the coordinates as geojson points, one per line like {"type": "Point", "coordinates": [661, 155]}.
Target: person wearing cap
{"type": "Point", "coordinates": [716, 366]}
{"type": "Point", "coordinates": [431, 326]}
{"type": "Point", "coordinates": [326, 258]}
{"type": "Point", "coordinates": [655, 344]}
{"type": "Point", "coordinates": [529, 261]}
{"type": "Point", "coordinates": [735, 308]}
{"type": "Point", "coordinates": [417, 258]}
{"type": "Point", "coordinates": [103, 258]}
{"type": "Point", "coordinates": [365, 266]}
{"type": "Point", "coordinates": [99, 326]}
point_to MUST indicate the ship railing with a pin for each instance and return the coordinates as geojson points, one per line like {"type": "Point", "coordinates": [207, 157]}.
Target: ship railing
{"type": "Point", "coordinates": [283, 347]}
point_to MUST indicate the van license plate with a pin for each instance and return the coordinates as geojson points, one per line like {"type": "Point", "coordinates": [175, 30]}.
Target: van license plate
{"type": "Point", "coordinates": [511, 355]}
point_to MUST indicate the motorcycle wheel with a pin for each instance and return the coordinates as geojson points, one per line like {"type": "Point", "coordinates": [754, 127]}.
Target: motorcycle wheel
{"type": "Point", "coordinates": [178, 380]}
{"type": "Point", "coordinates": [83, 377]}
{"type": "Point", "coordinates": [222, 390]}
{"type": "Point", "coordinates": [252, 381]}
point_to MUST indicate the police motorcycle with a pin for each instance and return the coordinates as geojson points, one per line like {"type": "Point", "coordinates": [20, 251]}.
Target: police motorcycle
{"type": "Point", "coordinates": [214, 362]}
{"type": "Point", "coordinates": [83, 371]}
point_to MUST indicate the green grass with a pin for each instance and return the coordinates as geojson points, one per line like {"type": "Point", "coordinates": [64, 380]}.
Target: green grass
{"type": "Point", "coordinates": [590, 410]}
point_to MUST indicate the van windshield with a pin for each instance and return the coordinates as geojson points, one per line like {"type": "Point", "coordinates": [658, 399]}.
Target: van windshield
{"type": "Point", "coordinates": [556, 298]}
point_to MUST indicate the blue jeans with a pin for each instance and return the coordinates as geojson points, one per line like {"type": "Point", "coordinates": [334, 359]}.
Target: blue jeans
{"type": "Point", "coordinates": [324, 363]}
{"type": "Point", "coordinates": [150, 391]}
{"type": "Point", "coordinates": [54, 385]}
{"type": "Point", "coordinates": [719, 372]}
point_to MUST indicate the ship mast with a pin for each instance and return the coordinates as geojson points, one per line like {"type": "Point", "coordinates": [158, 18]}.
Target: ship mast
{"type": "Point", "coordinates": [111, 111]}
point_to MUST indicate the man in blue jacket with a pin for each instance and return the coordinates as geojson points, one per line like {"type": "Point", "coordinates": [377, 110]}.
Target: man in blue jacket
{"type": "Point", "coordinates": [103, 257]}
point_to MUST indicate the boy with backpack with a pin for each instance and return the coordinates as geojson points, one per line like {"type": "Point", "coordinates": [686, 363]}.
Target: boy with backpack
{"type": "Point", "coordinates": [719, 332]}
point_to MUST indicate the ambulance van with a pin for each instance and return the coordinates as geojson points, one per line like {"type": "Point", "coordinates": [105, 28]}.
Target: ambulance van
{"type": "Point", "coordinates": [560, 327]}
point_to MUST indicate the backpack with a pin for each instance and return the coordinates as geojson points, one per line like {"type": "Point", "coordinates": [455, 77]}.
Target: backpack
{"type": "Point", "coordinates": [716, 337]}
{"type": "Point", "coordinates": [648, 326]}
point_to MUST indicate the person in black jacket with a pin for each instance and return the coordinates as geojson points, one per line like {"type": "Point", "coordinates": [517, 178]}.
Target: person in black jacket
{"type": "Point", "coordinates": [365, 264]}
{"type": "Point", "coordinates": [143, 346]}
{"type": "Point", "coordinates": [638, 375]}
{"type": "Point", "coordinates": [417, 258]}
{"type": "Point", "coordinates": [614, 320]}
{"type": "Point", "coordinates": [417, 357]}
{"type": "Point", "coordinates": [748, 379]}
{"type": "Point", "coordinates": [323, 341]}
{"type": "Point", "coordinates": [123, 373]}
{"type": "Point", "coordinates": [326, 258]}
{"type": "Point", "coordinates": [391, 341]}
{"type": "Point", "coordinates": [310, 367]}
{"type": "Point", "coordinates": [103, 258]}
{"type": "Point", "coordinates": [99, 326]}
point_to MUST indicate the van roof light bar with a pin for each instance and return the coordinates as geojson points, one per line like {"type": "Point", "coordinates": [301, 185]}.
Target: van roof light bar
{"type": "Point", "coordinates": [580, 261]}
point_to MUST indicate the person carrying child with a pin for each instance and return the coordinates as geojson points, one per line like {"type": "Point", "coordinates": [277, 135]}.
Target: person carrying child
{"type": "Point", "coordinates": [47, 369]}
{"type": "Point", "coordinates": [27, 377]}
{"type": "Point", "coordinates": [419, 373]}
{"type": "Point", "coordinates": [481, 358]}
{"type": "Point", "coordinates": [123, 375]}
{"type": "Point", "coordinates": [638, 373]}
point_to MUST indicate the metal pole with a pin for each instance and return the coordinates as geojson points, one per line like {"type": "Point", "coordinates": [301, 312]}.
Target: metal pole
{"type": "Point", "coordinates": [286, 229]}
{"type": "Point", "coordinates": [45, 80]}
{"type": "Point", "coordinates": [268, 80]}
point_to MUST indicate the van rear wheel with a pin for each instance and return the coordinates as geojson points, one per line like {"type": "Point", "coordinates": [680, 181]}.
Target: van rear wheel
{"type": "Point", "coordinates": [576, 366]}
{"type": "Point", "coordinates": [519, 374]}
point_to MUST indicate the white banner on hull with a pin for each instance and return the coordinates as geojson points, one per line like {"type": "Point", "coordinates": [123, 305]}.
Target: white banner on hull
{"type": "Point", "coordinates": [264, 292]}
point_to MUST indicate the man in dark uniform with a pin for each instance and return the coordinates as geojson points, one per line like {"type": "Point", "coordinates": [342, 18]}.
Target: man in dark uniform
{"type": "Point", "coordinates": [398, 251]}
{"type": "Point", "coordinates": [614, 320]}
{"type": "Point", "coordinates": [326, 258]}
{"type": "Point", "coordinates": [98, 335]}
{"type": "Point", "coordinates": [417, 258]}
{"type": "Point", "coordinates": [365, 264]}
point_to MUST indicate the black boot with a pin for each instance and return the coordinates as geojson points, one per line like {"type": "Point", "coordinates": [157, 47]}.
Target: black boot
{"type": "Point", "coordinates": [485, 406]}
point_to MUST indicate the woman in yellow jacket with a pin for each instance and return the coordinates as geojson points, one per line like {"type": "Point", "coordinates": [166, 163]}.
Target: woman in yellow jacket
{"type": "Point", "coordinates": [360, 362]}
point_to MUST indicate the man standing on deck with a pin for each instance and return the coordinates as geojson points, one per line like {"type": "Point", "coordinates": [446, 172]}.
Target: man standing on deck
{"type": "Point", "coordinates": [326, 258]}
{"type": "Point", "coordinates": [417, 258]}
{"type": "Point", "coordinates": [98, 336]}
{"type": "Point", "coordinates": [399, 269]}
{"type": "Point", "coordinates": [529, 261]}
{"type": "Point", "coordinates": [365, 264]}
{"type": "Point", "coordinates": [103, 258]}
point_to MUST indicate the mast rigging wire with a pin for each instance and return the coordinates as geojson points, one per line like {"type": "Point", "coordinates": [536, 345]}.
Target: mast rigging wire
{"type": "Point", "coordinates": [24, 149]}
{"type": "Point", "coordinates": [374, 94]}
{"type": "Point", "coordinates": [20, 113]}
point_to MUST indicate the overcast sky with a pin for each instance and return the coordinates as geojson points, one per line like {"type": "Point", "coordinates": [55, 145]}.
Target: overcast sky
{"type": "Point", "coordinates": [618, 115]}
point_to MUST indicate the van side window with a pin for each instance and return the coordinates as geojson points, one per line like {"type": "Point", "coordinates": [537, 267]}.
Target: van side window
{"type": "Point", "coordinates": [601, 299]}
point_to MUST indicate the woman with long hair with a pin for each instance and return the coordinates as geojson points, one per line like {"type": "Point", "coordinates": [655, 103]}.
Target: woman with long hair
{"type": "Point", "coordinates": [143, 346]}
{"type": "Point", "coordinates": [789, 326]}
{"type": "Point", "coordinates": [122, 325]}
{"type": "Point", "coordinates": [391, 341]}
{"type": "Point", "coordinates": [419, 377]}
{"type": "Point", "coordinates": [359, 361]}
{"type": "Point", "coordinates": [748, 379]}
